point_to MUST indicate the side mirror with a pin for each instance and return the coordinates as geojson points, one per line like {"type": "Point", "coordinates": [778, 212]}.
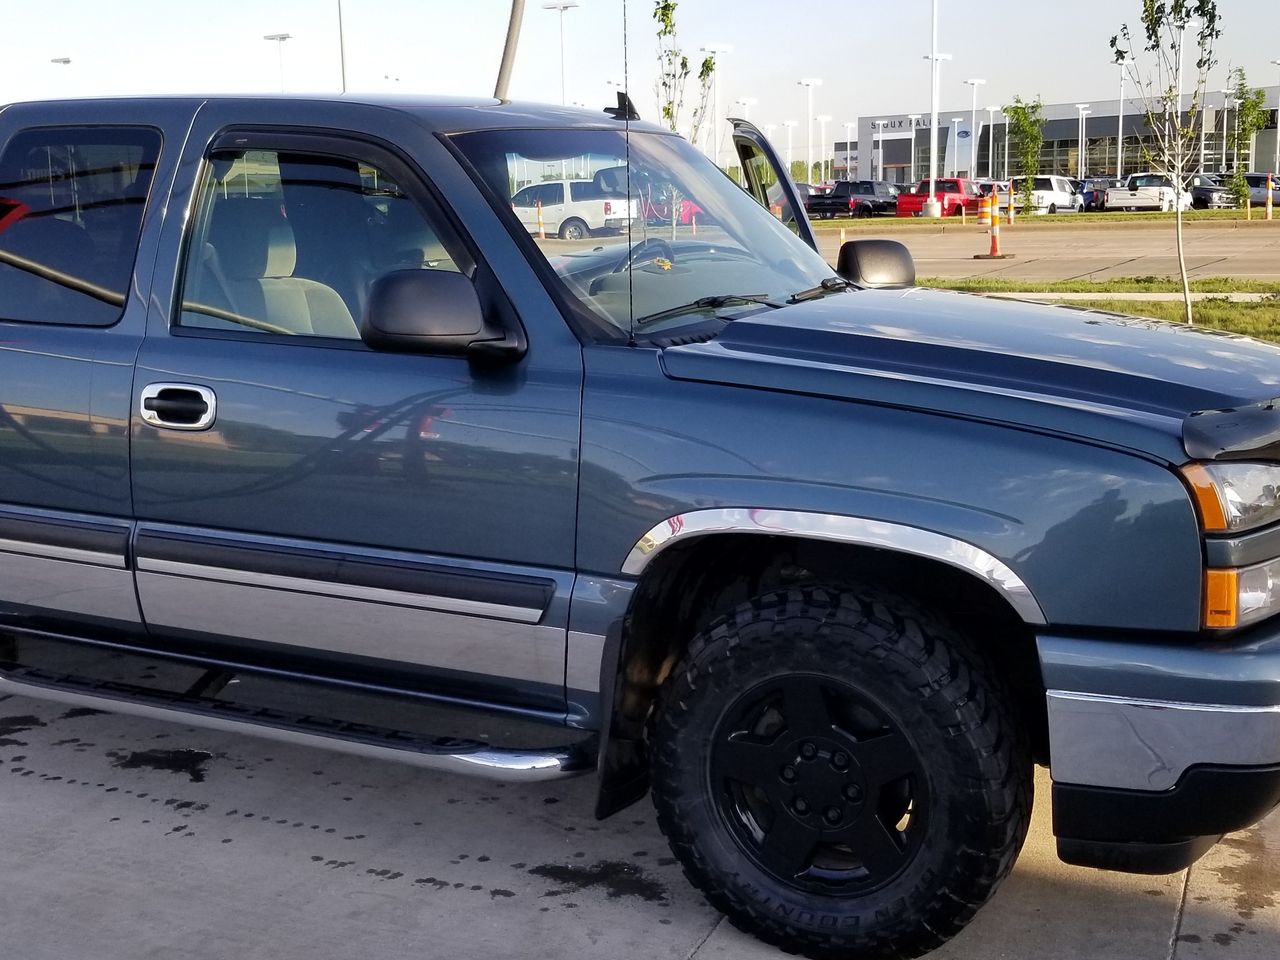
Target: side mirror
{"type": "Point", "coordinates": [433, 311]}
{"type": "Point", "coordinates": [876, 264]}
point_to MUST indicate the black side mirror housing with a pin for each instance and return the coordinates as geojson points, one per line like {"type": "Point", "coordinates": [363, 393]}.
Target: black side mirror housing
{"type": "Point", "coordinates": [877, 264]}
{"type": "Point", "coordinates": [433, 311]}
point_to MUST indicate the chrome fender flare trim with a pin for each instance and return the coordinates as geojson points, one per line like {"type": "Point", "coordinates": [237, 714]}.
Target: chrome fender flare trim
{"type": "Point", "coordinates": [835, 528]}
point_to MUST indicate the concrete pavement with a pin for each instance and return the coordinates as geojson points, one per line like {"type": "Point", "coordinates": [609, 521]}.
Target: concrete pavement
{"type": "Point", "coordinates": [1093, 250]}
{"type": "Point", "coordinates": [128, 839]}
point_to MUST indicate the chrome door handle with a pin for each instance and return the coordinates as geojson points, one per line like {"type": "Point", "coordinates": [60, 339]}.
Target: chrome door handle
{"type": "Point", "coordinates": [178, 406]}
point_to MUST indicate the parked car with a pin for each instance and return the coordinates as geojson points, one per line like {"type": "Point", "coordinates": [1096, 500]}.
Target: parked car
{"type": "Point", "coordinates": [955, 194]}
{"type": "Point", "coordinates": [1094, 193]}
{"type": "Point", "coordinates": [1209, 193]}
{"type": "Point", "coordinates": [599, 203]}
{"type": "Point", "coordinates": [1050, 194]}
{"type": "Point", "coordinates": [824, 561]}
{"type": "Point", "coordinates": [857, 198]}
{"type": "Point", "coordinates": [1258, 188]}
{"type": "Point", "coordinates": [1148, 191]}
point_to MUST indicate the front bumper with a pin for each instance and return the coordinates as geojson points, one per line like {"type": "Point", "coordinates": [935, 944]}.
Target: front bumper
{"type": "Point", "coordinates": [1158, 748]}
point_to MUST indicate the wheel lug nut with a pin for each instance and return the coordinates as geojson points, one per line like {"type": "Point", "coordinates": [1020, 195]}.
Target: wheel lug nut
{"type": "Point", "coordinates": [788, 773]}
{"type": "Point", "coordinates": [800, 805]}
{"type": "Point", "coordinates": [853, 792]}
{"type": "Point", "coordinates": [832, 815]}
{"type": "Point", "coordinates": [808, 751]}
{"type": "Point", "coordinates": [840, 760]}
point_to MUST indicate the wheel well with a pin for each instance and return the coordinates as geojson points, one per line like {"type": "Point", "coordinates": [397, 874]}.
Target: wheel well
{"type": "Point", "coordinates": [691, 583]}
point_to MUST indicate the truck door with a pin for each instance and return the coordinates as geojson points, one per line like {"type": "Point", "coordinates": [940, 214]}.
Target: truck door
{"type": "Point", "coordinates": [300, 493]}
{"type": "Point", "coordinates": [768, 180]}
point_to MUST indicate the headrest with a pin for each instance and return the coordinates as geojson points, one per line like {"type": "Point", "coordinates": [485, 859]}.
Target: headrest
{"type": "Point", "coordinates": [611, 180]}
{"type": "Point", "coordinates": [253, 239]}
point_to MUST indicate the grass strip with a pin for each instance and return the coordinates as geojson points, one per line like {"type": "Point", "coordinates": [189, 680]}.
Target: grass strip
{"type": "Point", "coordinates": [1115, 285]}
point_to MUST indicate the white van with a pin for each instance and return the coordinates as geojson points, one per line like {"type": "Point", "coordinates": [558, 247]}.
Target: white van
{"type": "Point", "coordinates": [590, 205]}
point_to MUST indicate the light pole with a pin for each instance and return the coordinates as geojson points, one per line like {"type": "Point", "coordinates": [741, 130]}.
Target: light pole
{"type": "Point", "coordinates": [809, 83]}
{"type": "Point", "coordinates": [713, 128]}
{"type": "Point", "coordinates": [823, 120]}
{"type": "Point", "coordinates": [973, 127]}
{"type": "Point", "coordinates": [1275, 160]}
{"type": "Point", "coordinates": [848, 149]}
{"type": "Point", "coordinates": [1123, 63]}
{"type": "Point", "coordinates": [991, 141]}
{"type": "Point", "coordinates": [747, 104]}
{"type": "Point", "coordinates": [280, 38]}
{"type": "Point", "coordinates": [342, 49]}
{"type": "Point", "coordinates": [932, 208]}
{"type": "Point", "coordinates": [791, 126]}
{"type": "Point", "coordinates": [1005, 168]}
{"type": "Point", "coordinates": [561, 6]}
{"type": "Point", "coordinates": [955, 127]}
{"type": "Point", "coordinates": [1080, 140]}
{"type": "Point", "coordinates": [1226, 108]}
{"type": "Point", "coordinates": [914, 118]}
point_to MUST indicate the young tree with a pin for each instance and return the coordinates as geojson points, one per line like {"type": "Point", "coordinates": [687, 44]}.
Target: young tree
{"type": "Point", "coordinates": [1026, 133]}
{"type": "Point", "coordinates": [673, 73]}
{"type": "Point", "coordinates": [1153, 58]}
{"type": "Point", "coordinates": [1251, 115]}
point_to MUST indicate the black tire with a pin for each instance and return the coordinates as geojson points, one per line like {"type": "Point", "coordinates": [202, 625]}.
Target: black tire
{"type": "Point", "coordinates": [791, 711]}
{"type": "Point", "coordinates": [1053, 208]}
{"type": "Point", "coordinates": [574, 229]}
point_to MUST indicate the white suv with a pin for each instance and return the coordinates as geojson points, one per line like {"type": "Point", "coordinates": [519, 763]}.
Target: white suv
{"type": "Point", "coordinates": [1049, 195]}
{"type": "Point", "coordinates": [597, 204]}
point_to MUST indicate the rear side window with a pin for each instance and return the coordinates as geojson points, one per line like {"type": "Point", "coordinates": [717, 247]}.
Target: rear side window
{"type": "Point", "coordinates": [71, 204]}
{"type": "Point", "coordinates": [1043, 184]}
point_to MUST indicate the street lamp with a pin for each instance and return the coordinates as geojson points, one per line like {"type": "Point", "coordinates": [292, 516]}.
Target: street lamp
{"type": "Point", "coordinates": [991, 141]}
{"type": "Point", "coordinates": [955, 127]}
{"type": "Point", "coordinates": [1123, 63]}
{"type": "Point", "coordinates": [1226, 108]}
{"type": "Point", "coordinates": [280, 38]}
{"type": "Point", "coordinates": [1080, 139]}
{"type": "Point", "coordinates": [713, 128]}
{"type": "Point", "coordinates": [809, 83]}
{"type": "Point", "coordinates": [747, 104]}
{"type": "Point", "coordinates": [932, 208]}
{"type": "Point", "coordinates": [561, 6]}
{"type": "Point", "coordinates": [790, 125]}
{"type": "Point", "coordinates": [914, 118]}
{"type": "Point", "coordinates": [1275, 160]}
{"type": "Point", "coordinates": [973, 127]}
{"type": "Point", "coordinates": [848, 148]}
{"type": "Point", "coordinates": [823, 120]}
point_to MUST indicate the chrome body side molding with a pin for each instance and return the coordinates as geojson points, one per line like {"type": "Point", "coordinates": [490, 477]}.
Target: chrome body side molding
{"type": "Point", "coordinates": [839, 529]}
{"type": "Point", "coordinates": [1133, 744]}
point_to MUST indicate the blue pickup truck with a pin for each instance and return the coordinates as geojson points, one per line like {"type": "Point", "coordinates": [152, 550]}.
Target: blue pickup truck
{"type": "Point", "coordinates": [291, 397]}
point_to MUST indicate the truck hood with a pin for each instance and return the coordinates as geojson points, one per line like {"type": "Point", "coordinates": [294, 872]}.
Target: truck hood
{"type": "Point", "coordinates": [1122, 381]}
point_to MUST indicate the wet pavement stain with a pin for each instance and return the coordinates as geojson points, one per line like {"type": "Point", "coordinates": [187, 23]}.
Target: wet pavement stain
{"type": "Point", "coordinates": [1254, 881]}
{"type": "Point", "coordinates": [617, 878]}
{"type": "Point", "coordinates": [190, 762]}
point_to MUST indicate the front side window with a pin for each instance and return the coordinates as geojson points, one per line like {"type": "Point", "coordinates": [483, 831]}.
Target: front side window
{"type": "Point", "coordinates": [291, 243]}
{"type": "Point", "coordinates": [71, 205]}
{"type": "Point", "coordinates": [668, 240]}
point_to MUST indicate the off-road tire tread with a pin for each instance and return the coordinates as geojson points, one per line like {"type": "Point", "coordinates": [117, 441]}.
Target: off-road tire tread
{"type": "Point", "coordinates": [904, 637]}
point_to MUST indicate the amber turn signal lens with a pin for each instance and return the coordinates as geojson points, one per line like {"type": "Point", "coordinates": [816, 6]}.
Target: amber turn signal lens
{"type": "Point", "coordinates": [1221, 598]}
{"type": "Point", "coordinates": [1208, 502]}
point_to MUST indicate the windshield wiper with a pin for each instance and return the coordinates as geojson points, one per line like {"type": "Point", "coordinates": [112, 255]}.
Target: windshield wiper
{"type": "Point", "coordinates": [829, 285]}
{"type": "Point", "coordinates": [709, 303]}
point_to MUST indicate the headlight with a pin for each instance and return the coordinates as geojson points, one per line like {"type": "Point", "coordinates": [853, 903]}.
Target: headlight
{"type": "Point", "coordinates": [1237, 598]}
{"type": "Point", "coordinates": [1235, 496]}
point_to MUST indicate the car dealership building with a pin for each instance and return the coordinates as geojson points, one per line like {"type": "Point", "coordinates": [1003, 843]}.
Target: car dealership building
{"type": "Point", "coordinates": [896, 148]}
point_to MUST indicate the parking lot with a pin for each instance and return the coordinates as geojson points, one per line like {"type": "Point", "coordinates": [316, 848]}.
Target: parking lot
{"type": "Point", "coordinates": [1062, 250]}
{"type": "Point", "coordinates": [149, 840]}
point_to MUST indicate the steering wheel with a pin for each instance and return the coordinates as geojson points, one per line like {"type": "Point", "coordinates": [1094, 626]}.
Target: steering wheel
{"type": "Point", "coordinates": [650, 248]}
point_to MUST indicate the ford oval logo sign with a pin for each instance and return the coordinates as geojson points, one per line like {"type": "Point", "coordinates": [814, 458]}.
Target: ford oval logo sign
{"type": "Point", "coordinates": [962, 135]}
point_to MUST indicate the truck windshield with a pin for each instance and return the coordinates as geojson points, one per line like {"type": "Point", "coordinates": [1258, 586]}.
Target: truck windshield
{"type": "Point", "coordinates": [649, 239]}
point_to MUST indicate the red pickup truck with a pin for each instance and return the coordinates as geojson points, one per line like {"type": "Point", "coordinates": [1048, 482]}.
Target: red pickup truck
{"type": "Point", "coordinates": [954, 195]}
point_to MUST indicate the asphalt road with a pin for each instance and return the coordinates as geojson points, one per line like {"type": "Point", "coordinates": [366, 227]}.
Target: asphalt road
{"type": "Point", "coordinates": [1094, 250]}
{"type": "Point", "coordinates": [127, 839]}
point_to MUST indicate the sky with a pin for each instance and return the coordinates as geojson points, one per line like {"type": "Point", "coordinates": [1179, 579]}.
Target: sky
{"type": "Point", "coordinates": [869, 55]}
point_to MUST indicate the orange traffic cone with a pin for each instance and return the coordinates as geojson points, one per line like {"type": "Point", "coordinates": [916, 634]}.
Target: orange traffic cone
{"type": "Point", "coordinates": [984, 212]}
{"type": "Point", "coordinates": [995, 253]}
